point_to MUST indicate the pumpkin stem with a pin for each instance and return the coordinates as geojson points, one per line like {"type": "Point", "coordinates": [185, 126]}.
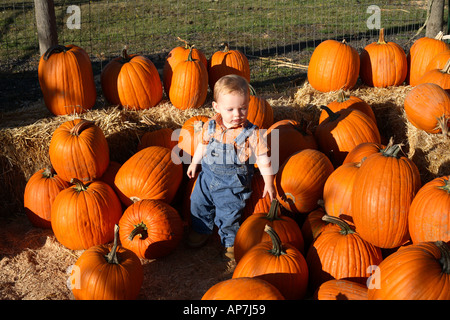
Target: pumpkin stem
{"type": "Point", "coordinates": [333, 116]}
{"type": "Point", "coordinates": [139, 229]}
{"type": "Point", "coordinates": [341, 96]}
{"type": "Point", "coordinates": [381, 37]}
{"type": "Point", "coordinates": [79, 185]}
{"type": "Point", "coordinates": [446, 186]}
{"type": "Point", "coordinates": [252, 90]}
{"type": "Point", "coordinates": [439, 36]}
{"type": "Point", "coordinates": [445, 256]}
{"type": "Point", "coordinates": [125, 56]}
{"type": "Point", "coordinates": [446, 68]}
{"type": "Point", "coordinates": [227, 47]}
{"type": "Point", "coordinates": [49, 173]}
{"type": "Point", "coordinates": [189, 58]}
{"type": "Point", "coordinates": [302, 127]}
{"type": "Point", "coordinates": [391, 150]}
{"type": "Point", "coordinates": [345, 227]}
{"type": "Point", "coordinates": [186, 44]}
{"type": "Point", "coordinates": [55, 49]}
{"type": "Point", "coordinates": [442, 124]}
{"type": "Point", "coordinates": [273, 211]}
{"type": "Point", "coordinates": [111, 257]}
{"type": "Point", "coordinates": [277, 247]}
{"type": "Point", "coordinates": [80, 126]}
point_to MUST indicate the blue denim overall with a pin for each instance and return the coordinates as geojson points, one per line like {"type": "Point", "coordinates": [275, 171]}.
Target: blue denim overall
{"type": "Point", "coordinates": [222, 187]}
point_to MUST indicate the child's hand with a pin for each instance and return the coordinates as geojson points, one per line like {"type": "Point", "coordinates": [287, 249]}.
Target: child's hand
{"type": "Point", "coordinates": [192, 169]}
{"type": "Point", "coordinates": [269, 189]}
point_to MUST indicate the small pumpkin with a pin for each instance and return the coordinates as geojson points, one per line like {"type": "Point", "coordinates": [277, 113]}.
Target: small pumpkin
{"type": "Point", "coordinates": [341, 289]}
{"type": "Point", "coordinates": [163, 137]}
{"type": "Point", "coordinates": [67, 80]}
{"type": "Point", "coordinates": [79, 149]}
{"type": "Point", "coordinates": [105, 273]}
{"type": "Point", "coordinates": [150, 228]}
{"type": "Point", "coordinates": [40, 192]}
{"type": "Point", "coordinates": [260, 112]}
{"type": "Point", "coordinates": [312, 226]}
{"type": "Point", "coordinates": [439, 76]}
{"type": "Point", "coordinates": [278, 263]}
{"type": "Point", "coordinates": [333, 66]}
{"type": "Point", "coordinates": [190, 134]}
{"type": "Point", "coordinates": [252, 232]}
{"type": "Point", "coordinates": [256, 203]}
{"type": "Point", "coordinates": [244, 288]}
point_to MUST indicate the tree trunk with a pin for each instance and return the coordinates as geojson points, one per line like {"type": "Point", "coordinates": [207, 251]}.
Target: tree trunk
{"type": "Point", "coordinates": [436, 18]}
{"type": "Point", "coordinates": [46, 24]}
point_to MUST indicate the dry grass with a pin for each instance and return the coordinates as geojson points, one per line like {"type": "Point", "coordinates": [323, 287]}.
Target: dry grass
{"type": "Point", "coordinates": [34, 265]}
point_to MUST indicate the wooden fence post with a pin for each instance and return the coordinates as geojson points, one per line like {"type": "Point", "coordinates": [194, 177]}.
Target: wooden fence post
{"type": "Point", "coordinates": [46, 24]}
{"type": "Point", "coordinates": [436, 18]}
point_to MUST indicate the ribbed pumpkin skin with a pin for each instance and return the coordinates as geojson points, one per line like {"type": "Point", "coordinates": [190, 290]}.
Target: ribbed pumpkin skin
{"type": "Point", "coordinates": [40, 192]}
{"type": "Point", "coordinates": [100, 280]}
{"type": "Point", "coordinates": [429, 214]}
{"type": "Point", "coordinates": [82, 219]}
{"type": "Point", "coordinates": [439, 60]}
{"type": "Point", "coordinates": [333, 66]}
{"type": "Point", "coordinates": [424, 104]}
{"type": "Point", "coordinates": [383, 64]}
{"type": "Point", "coordinates": [227, 62]}
{"type": "Point", "coordinates": [335, 255]}
{"type": "Point", "coordinates": [412, 273]}
{"type": "Point", "coordinates": [313, 226]}
{"type": "Point", "coordinates": [299, 182]}
{"type": "Point", "coordinates": [243, 289]}
{"type": "Point", "coordinates": [440, 76]}
{"type": "Point", "coordinates": [382, 193]}
{"type": "Point", "coordinates": [348, 102]}
{"type": "Point", "coordinates": [149, 174]}
{"type": "Point", "coordinates": [176, 55]}
{"type": "Point", "coordinates": [132, 81]}
{"type": "Point", "coordinates": [161, 137]}
{"type": "Point", "coordinates": [260, 112]}
{"type": "Point", "coordinates": [341, 290]}
{"type": "Point", "coordinates": [289, 137]}
{"type": "Point", "coordinates": [189, 84]}
{"type": "Point", "coordinates": [79, 149]}
{"type": "Point", "coordinates": [190, 133]}
{"type": "Point", "coordinates": [336, 137]}
{"type": "Point", "coordinates": [256, 204]}
{"type": "Point", "coordinates": [164, 228]}
{"type": "Point", "coordinates": [362, 150]}
{"type": "Point", "coordinates": [67, 80]}
{"type": "Point", "coordinates": [420, 55]}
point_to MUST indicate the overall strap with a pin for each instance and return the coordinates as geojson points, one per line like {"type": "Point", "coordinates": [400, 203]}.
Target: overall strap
{"type": "Point", "coordinates": [245, 133]}
{"type": "Point", "coordinates": [211, 127]}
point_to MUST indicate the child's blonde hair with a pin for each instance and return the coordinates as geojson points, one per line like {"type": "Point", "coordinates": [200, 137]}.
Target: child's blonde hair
{"type": "Point", "coordinates": [231, 83]}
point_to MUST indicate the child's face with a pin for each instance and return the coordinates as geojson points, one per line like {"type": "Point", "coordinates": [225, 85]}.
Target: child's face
{"type": "Point", "coordinates": [233, 107]}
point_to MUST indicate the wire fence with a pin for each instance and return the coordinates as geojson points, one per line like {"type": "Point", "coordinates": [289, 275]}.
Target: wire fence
{"type": "Point", "coordinates": [278, 36]}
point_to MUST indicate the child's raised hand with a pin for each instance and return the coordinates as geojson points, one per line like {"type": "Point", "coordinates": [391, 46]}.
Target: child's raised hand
{"type": "Point", "coordinates": [191, 170]}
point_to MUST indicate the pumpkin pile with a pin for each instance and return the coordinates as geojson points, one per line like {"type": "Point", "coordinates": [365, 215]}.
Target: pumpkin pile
{"type": "Point", "coordinates": [352, 218]}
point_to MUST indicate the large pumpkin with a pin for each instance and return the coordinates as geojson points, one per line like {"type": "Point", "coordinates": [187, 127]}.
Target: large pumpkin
{"type": "Point", "coordinates": [383, 64]}
{"type": "Point", "coordinates": [243, 289]}
{"type": "Point", "coordinates": [179, 54]}
{"type": "Point", "coordinates": [383, 190]}
{"type": "Point", "coordinates": [340, 253]}
{"type": "Point", "coordinates": [427, 107]}
{"type": "Point", "coordinates": [227, 61]}
{"type": "Point", "coordinates": [420, 55]}
{"type": "Point", "coordinates": [429, 214]}
{"type": "Point", "coordinates": [363, 150]}
{"type": "Point", "coordinates": [40, 192]}
{"type": "Point", "coordinates": [152, 173]}
{"type": "Point", "coordinates": [300, 180]}
{"type": "Point", "coordinates": [333, 66]}
{"type": "Point", "coordinates": [344, 130]}
{"type": "Point", "coordinates": [416, 272]}
{"type": "Point", "coordinates": [105, 273]}
{"type": "Point", "coordinates": [66, 80]}
{"type": "Point", "coordinates": [251, 232]}
{"type": "Point", "coordinates": [278, 263]}
{"type": "Point", "coordinates": [84, 215]}
{"type": "Point", "coordinates": [163, 137]}
{"type": "Point", "coordinates": [189, 84]}
{"type": "Point", "coordinates": [150, 228]}
{"type": "Point", "coordinates": [79, 149]}
{"type": "Point", "coordinates": [131, 81]}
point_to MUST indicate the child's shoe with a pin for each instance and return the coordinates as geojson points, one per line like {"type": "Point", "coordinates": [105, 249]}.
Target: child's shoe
{"type": "Point", "coordinates": [196, 240]}
{"type": "Point", "coordinates": [228, 254]}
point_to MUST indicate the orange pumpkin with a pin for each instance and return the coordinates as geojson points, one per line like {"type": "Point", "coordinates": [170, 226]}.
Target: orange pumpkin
{"type": "Point", "coordinates": [179, 54]}
{"type": "Point", "coordinates": [84, 215]}
{"type": "Point", "coordinates": [416, 272]}
{"type": "Point", "coordinates": [131, 81]}
{"type": "Point", "coordinates": [439, 76]}
{"type": "Point", "coordinates": [341, 289]}
{"type": "Point", "coordinates": [227, 61]}
{"type": "Point", "coordinates": [260, 112]}
{"type": "Point", "coordinates": [66, 80]}
{"type": "Point", "coordinates": [150, 228]}
{"type": "Point", "coordinates": [251, 232]}
{"type": "Point", "coordinates": [243, 289]}
{"type": "Point", "coordinates": [438, 61]}
{"type": "Point", "coordinates": [333, 66]}
{"type": "Point", "coordinates": [105, 273]}
{"type": "Point", "coordinates": [152, 173]}
{"type": "Point", "coordinates": [300, 180]}
{"type": "Point", "coordinates": [163, 137]}
{"type": "Point", "coordinates": [340, 253]}
{"type": "Point", "coordinates": [420, 55]}
{"type": "Point", "coordinates": [427, 107]}
{"type": "Point", "coordinates": [383, 64]}
{"type": "Point", "coordinates": [312, 226]}
{"type": "Point", "coordinates": [383, 190]}
{"type": "Point", "coordinates": [256, 204]}
{"type": "Point", "coordinates": [40, 192]}
{"type": "Point", "coordinates": [363, 150]}
{"type": "Point", "coordinates": [189, 84]}
{"type": "Point", "coordinates": [429, 214]}
{"type": "Point", "coordinates": [79, 149]}
{"type": "Point", "coordinates": [190, 134]}
{"type": "Point", "coordinates": [278, 263]}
